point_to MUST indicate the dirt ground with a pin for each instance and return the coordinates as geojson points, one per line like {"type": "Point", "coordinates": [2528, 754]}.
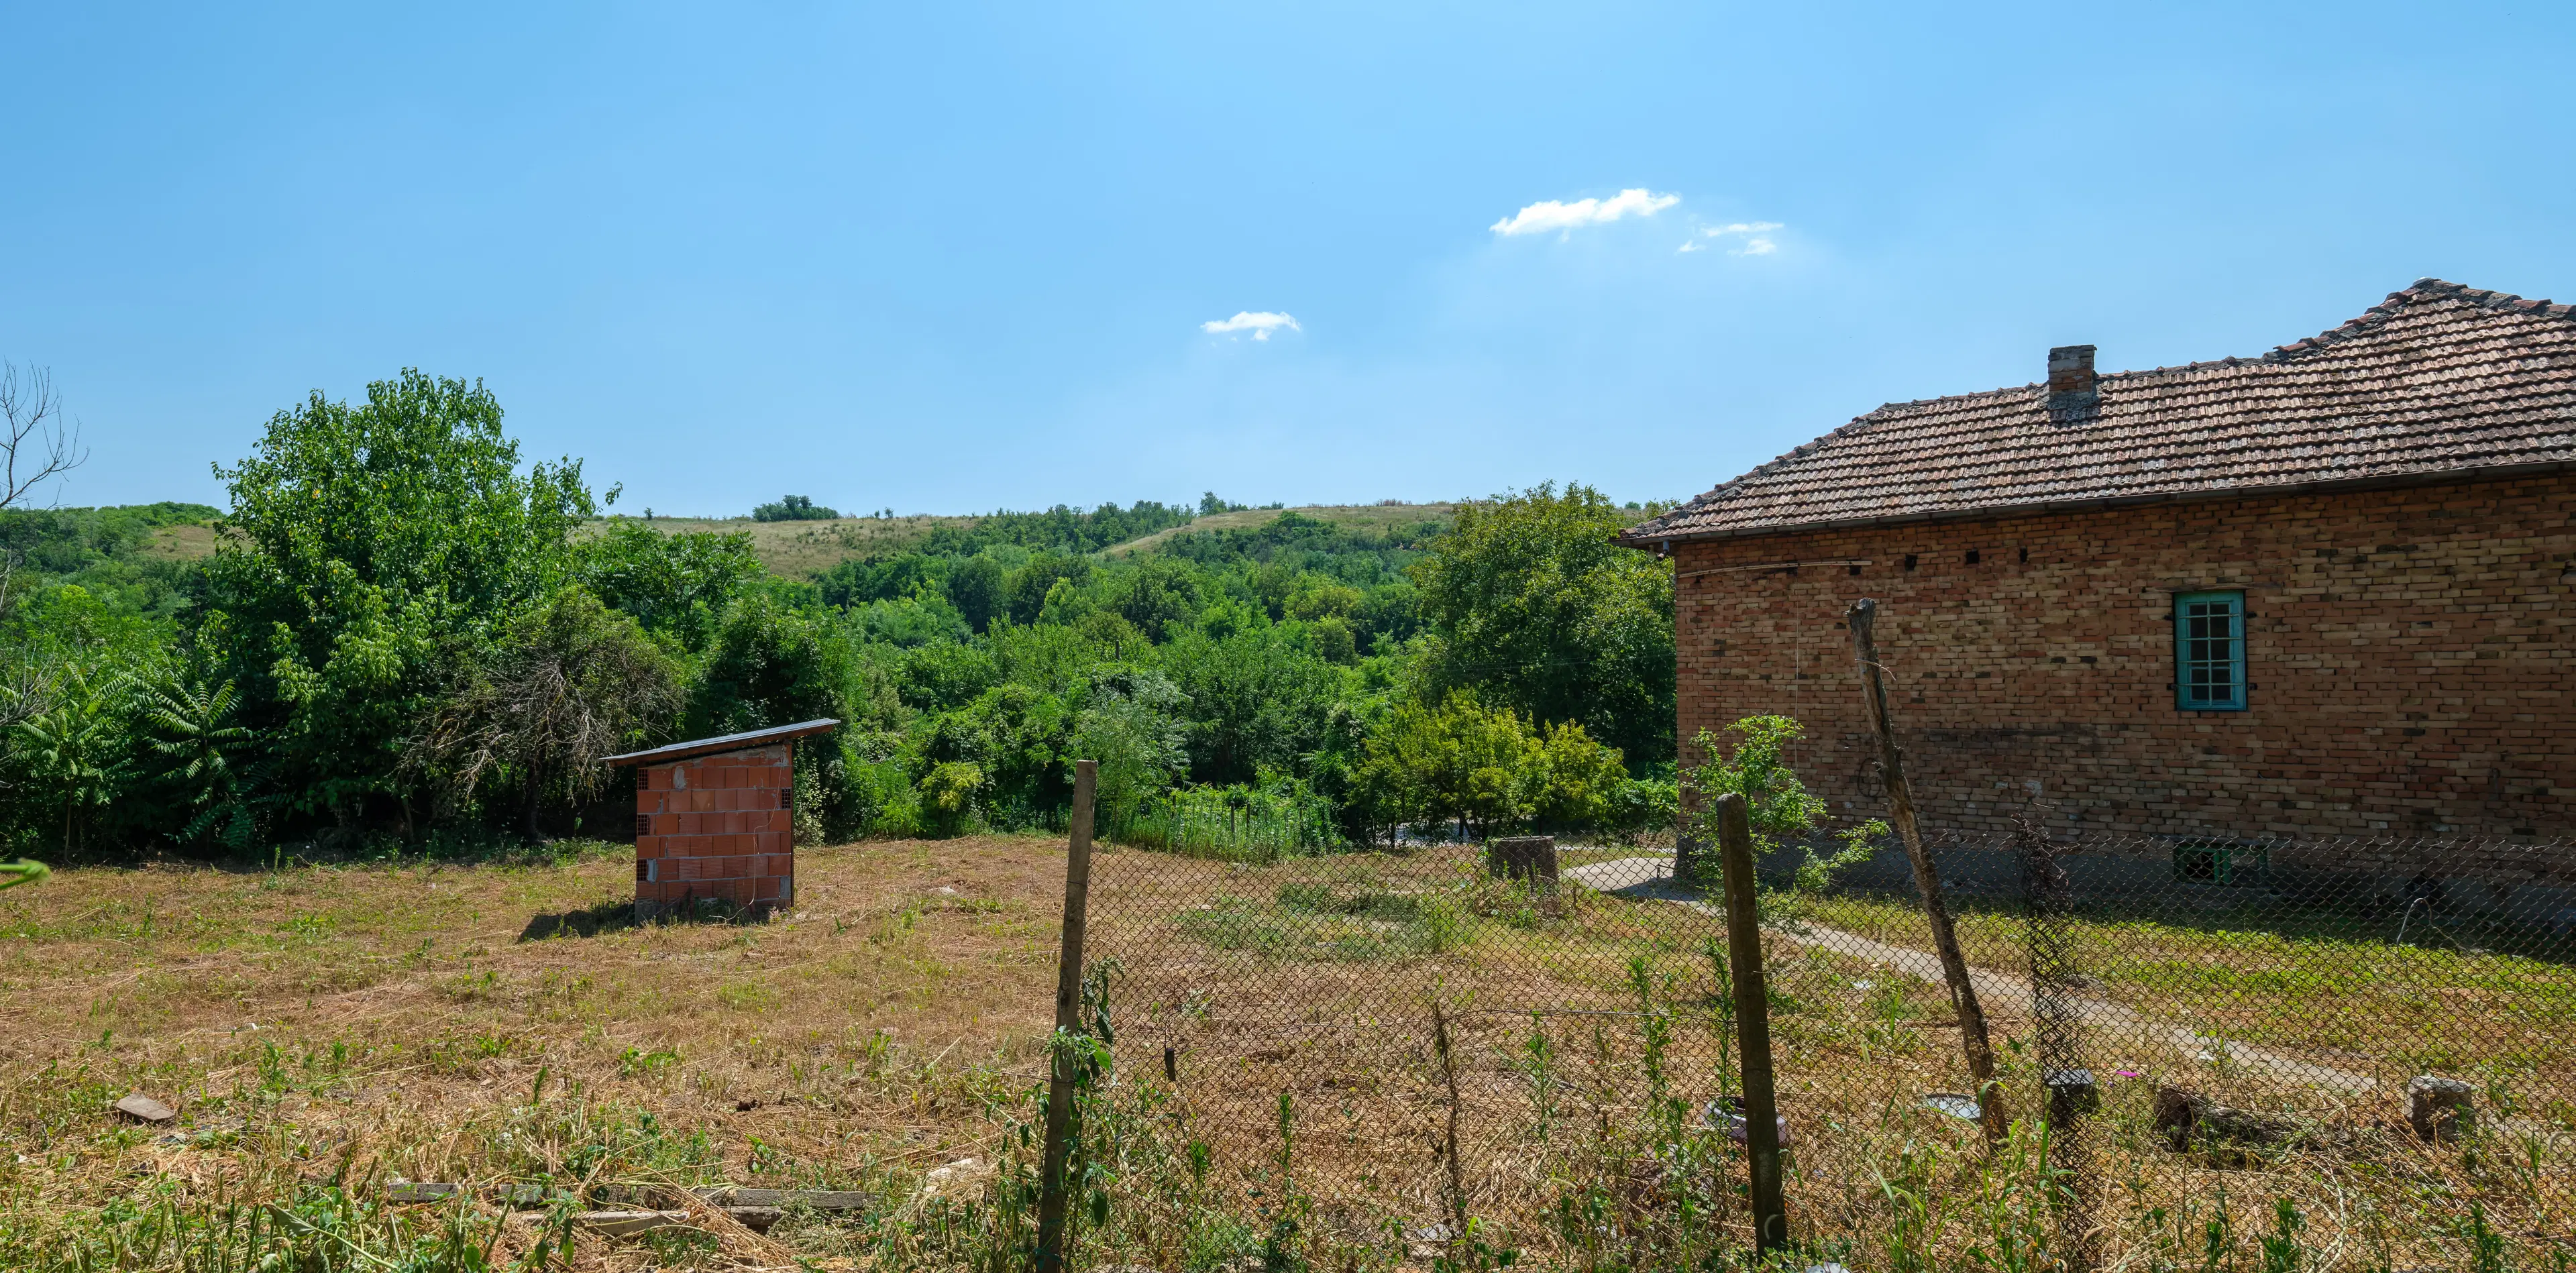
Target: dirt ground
{"type": "Point", "coordinates": [401, 1018]}
{"type": "Point", "coordinates": [490, 1024]}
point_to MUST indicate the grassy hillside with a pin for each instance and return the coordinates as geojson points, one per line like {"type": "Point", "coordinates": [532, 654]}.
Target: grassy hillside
{"type": "Point", "coordinates": [800, 550]}
{"type": "Point", "coordinates": [1355, 516]}
{"type": "Point", "coordinates": [803, 550]}
{"type": "Point", "coordinates": [184, 541]}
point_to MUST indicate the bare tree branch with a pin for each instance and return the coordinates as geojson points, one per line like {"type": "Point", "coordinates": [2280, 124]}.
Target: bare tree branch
{"type": "Point", "coordinates": [37, 444]}
{"type": "Point", "coordinates": [570, 683]}
{"type": "Point", "coordinates": [27, 691]}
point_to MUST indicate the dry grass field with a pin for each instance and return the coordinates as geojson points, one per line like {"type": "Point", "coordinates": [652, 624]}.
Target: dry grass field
{"type": "Point", "coordinates": [323, 1030]}
{"type": "Point", "coordinates": [398, 1019]}
{"type": "Point", "coordinates": [187, 542]}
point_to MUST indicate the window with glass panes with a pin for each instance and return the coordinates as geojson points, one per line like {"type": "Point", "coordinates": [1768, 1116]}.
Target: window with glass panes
{"type": "Point", "coordinates": [2209, 651]}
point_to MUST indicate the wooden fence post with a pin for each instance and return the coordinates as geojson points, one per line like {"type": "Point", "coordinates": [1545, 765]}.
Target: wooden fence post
{"type": "Point", "coordinates": [1752, 1025]}
{"type": "Point", "coordinates": [1927, 881]}
{"type": "Point", "coordinates": [1052, 1186]}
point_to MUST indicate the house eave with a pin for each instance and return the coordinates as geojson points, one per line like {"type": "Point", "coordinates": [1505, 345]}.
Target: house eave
{"type": "Point", "coordinates": [1655, 541]}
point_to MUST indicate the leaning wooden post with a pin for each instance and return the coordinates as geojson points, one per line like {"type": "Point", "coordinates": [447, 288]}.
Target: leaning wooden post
{"type": "Point", "coordinates": [1060, 1131]}
{"type": "Point", "coordinates": [1927, 881]}
{"type": "Point", "coordinates": [1752, 1025]}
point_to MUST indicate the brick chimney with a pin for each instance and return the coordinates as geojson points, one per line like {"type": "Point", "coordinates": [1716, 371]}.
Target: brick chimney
{"type": "Point", "coordinates": [2071, 391]}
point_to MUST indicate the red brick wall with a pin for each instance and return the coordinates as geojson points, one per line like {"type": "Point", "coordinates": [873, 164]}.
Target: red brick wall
{"type": "Point", "coordinates": [715, 826]}
{"type": "Point", "coordinates": [2410, 655]}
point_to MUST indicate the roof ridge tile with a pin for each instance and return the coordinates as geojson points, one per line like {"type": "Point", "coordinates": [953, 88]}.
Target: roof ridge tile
{"type": "Point", "coordinates": [2454, 387]}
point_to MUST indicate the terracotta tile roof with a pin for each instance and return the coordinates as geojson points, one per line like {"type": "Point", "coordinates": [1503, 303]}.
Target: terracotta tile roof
{"type": "Point", "coordinates": [2437, 382]}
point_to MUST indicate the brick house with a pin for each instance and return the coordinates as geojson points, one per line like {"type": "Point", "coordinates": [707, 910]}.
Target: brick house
{"type": "Point", "coordinates": [2328, 590]}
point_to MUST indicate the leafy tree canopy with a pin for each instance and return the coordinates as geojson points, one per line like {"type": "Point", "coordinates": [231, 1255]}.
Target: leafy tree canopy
{"type": "Point", "coordinates": [792, 508]}
{"type": "Point", "coordinates": [367, 545]}
{"type": "Point", "coordinates": [1533, 607]}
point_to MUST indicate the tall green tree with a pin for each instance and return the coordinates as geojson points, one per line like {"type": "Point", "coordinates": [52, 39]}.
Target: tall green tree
{"type": "Point", "coordinates": [370, 545]}
{"type": "Point", "coordinates": [1533, 607]}
{"type": "Point", "coordinates": [1130, 723]}
{"type": "Point", "coordinates": [771, 664]}
{"type": "Point", "coordinates": [975, 588]}
{"type": "Point", "coordinates": [680, 584]}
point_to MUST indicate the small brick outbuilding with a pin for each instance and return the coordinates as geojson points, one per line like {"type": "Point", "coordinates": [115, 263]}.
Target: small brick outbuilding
{"type": "Point", "coordinates": [714, 819]}
{"type": "Point", "coordinates": [2330, 589]}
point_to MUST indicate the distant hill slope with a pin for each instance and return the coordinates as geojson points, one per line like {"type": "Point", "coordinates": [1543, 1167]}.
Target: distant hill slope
{"type": "Point", "coordinates": [802, 550]}
{"type": "Point", "coordinates": [799, 550]}
{"type": "Point", "coordinates": [183, 541]}
{"type": "Point", "coordinates": [1358, 516]}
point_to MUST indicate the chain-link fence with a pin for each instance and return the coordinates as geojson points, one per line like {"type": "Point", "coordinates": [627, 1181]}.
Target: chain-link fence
{"type": "Point", "coordinates": [1533, 1042]}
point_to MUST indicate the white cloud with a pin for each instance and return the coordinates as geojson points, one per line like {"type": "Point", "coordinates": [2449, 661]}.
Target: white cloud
{"type": "Point", "coordinates": [1552, 214]}
{"type": "Point", "coordinates": [1260, 325]}
{"type": "Point", "coordinates": [1754, 243]}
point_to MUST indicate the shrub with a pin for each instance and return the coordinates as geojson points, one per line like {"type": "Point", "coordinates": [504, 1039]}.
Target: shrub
{"type": "Point", "coordinates": [1783, 813]}
{"type": "Point", "coordinates": [792, 508]}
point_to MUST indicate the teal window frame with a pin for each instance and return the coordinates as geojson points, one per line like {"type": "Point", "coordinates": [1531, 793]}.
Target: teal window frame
{"type": "Point", "coordinates": [2208, 862]}
{"type": "Point", "coordinates": [2209, 651]}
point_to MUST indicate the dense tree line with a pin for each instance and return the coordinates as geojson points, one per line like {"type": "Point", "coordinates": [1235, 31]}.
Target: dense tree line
{"type": "Point", "coordinates": [407, 635]}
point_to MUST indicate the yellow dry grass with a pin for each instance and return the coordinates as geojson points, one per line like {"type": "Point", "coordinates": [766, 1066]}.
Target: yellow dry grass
{"type": "Point", "coordinates": [498, 1023]}
{"type": "Point", "coordinates": [187, 542]}
{"type": "Point", "coordinates": [397, 1018]}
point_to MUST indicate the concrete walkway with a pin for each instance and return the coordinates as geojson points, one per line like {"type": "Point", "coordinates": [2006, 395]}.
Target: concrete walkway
{"type": "Point", "coordinates": [1652, 878]}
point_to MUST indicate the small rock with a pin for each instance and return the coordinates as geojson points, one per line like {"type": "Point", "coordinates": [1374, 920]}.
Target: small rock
{"type": "Point", "coordinates": [1955, 1104]}
{"type": "Point", "coordinates": [420, 1191]}
{"type": "Point", "coordinates": [953, 1180]}
{"type": "Point", "coordinates": [146, 1108]}
{"type": "Point", "coordinates": [2188, 1119]}
{"type": "Point", "coordinates": [2441, 1109]}
{"type": "Point", "coordinates": [624, 1224]}
{"type": "Point", "coordinates": [756, 1219]}
{"type": "Point", "coordinates": [2070, 1092]}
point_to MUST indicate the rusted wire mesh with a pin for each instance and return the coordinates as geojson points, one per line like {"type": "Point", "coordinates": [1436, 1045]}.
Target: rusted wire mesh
{"type": "Point", "coordinates": [2158, 980]}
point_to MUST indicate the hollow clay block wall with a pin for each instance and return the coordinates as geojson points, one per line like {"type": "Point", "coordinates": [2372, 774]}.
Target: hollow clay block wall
{"type": "Point", "coordinates": [715, 827]}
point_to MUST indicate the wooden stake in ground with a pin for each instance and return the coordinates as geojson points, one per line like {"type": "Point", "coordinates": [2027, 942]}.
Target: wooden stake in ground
{"type": "Point", "coordinates": [1927, 881]}
{"type": "Point", "coordinates": [1443, 1048]}
{"type": "Point", "coordinates": [1068, 1020]}
{"type": "Point", "coordinates": [1752, 1025]}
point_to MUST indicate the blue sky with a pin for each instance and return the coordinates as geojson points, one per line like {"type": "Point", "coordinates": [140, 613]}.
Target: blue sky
{"type": "Point", "coordinates": [952, 257]}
